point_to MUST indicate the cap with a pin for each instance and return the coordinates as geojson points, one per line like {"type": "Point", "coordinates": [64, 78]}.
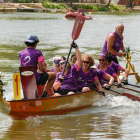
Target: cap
{"type": "Point", "coordinates": [31, 38]}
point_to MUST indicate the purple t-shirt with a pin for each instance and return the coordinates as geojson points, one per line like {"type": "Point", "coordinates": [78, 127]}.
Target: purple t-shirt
{"type": "Point", "coordinates": [31, 56]}
{"type": "Point", "coordinates": [88, 77]}
{"type": "Point", "coordinates": [101, 74]}
{"type": "Point", "coordinates": [115, 66]}
{"type": "Point", "coordinates": [117, 45]}
{"type": "Point", "coordinates": [52, 69]}
{"type": "Point", "coordinates": [108, 70]}
{"type": "Point", "coordinates": [70, 80]}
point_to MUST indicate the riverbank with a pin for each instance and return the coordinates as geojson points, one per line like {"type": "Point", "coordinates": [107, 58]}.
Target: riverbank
{"type": "Point", "coordinates": [37, 7]}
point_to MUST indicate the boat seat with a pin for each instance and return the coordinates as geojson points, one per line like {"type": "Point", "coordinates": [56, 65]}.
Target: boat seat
{"type": "Point", "coordinates": [28, 81]}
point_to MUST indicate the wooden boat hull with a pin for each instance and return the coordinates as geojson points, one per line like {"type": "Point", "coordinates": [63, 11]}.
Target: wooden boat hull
{"type": "Point", "coordinates": [73, 15]}
{"type": "Point", "coordinates": [21, 109]}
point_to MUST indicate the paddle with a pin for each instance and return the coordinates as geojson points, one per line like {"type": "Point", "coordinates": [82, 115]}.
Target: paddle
{"type": "Point", "coordinates": [136, 75]}
{"type": "Point", "coordinates": [133, 85]}
{"type": "Point", "coordinates": [132, 97]}
{"type": "Point", "coordinates": [129, 89]}
{"type": "Point", "coordinates": [79, 22]}
{"type": "Point", "coordinates": [124, 87]}
{"type": "Point", "coordinates": [89, 85]}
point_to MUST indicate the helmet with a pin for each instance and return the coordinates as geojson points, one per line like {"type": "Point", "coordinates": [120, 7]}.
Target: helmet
{"type": "Point", "coordinates": [31, 38]}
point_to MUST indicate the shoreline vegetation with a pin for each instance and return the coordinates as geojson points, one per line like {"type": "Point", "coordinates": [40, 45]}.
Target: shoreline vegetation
{"type": "Point", "coordinates": [44, 6]}
{"type": "Point", "coordinates": [96, 8]}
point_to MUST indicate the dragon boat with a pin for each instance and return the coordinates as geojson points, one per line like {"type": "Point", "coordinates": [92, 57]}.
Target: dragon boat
{"type": "Point", "coordinates": [33, 105]}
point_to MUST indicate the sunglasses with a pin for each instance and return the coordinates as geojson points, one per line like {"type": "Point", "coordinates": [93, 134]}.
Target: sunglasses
{"type": "Point", "coordinates": [102, 60]}
{"type": "Point", "coordinates": [61, 63]}
{"type": "Point", "coordinates": [87, 62]}
{"type": "Point", "coordinates": [74, 58]}
{"type": "Point", "coordinates": [56, 62]}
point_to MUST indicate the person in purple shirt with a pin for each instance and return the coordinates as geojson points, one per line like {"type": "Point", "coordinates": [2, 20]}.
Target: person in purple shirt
{"type": "Point", "coordinates": [67, 84]}
{"type": "Point", "coordinates": [104, 67]}
{"type": "Point", "coordinates": [117, 67]}
{"type": "Point", "coordinates": [73, 58]}
{"type": "Point", "coordinates": [32, 56]}
{"type": "Point", "coordinates": [56, 61]}
{"type": "Point", "coordinates": [88, 75]}
{"type": "Point", "coordinates": [114, 43]}
{"type": "Point", "coordinates": [101, 74]}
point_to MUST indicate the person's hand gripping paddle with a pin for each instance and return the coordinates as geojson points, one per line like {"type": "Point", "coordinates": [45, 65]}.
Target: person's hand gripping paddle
{"type": "Point", "coordinates": [79, 22]}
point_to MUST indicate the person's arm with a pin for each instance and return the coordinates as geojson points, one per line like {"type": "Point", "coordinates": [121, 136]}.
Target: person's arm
{"type": "Point", "coordinates": [116, 77]}
{"type": "Point", "coordinates": [40, 67]}
{"type": "Point", "coordinates": [109, 78]}
{"type": "Point", "coordinates": [78, 54]}
{"type": "Point", "coordinates": [58, 83]}
{"type": "Point", "coordinates": [110, 42]}
{"type": "Point", "coordinates": [126, 72]}
{"type": "Point", "coordinates": [98, 85]}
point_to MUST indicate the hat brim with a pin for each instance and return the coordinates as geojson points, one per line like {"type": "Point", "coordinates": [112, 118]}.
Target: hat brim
{"type": "Point", "coordinates": [30, 41]}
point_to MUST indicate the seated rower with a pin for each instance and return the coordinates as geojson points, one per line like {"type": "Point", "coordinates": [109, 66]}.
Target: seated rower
{"type": "Point", "coordinates": [104, 67]}
{"type": "Point", "coordinates": [32, 56]}
{"type": "Point", "coordinates": [73, 58]}
{"type": "Point", "coordinates": [88, 75]}
{"type": "Point", "coordinates": [117, 67]}
{"type": "Point", "coordinates": [67, 84]}
{"type": "Point", "coordinates": [56, 61]}
{"type": "Point", "coordinates": [101, 74]}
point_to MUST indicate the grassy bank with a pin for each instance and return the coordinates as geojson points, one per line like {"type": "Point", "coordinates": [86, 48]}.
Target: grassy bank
{"type": "Point", "coordinates": [88, 6]}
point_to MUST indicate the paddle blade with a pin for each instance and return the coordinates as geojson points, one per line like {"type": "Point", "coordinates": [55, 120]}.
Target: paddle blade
{"type": "Point", "coordinates": [132, 97]}
{"type": "Point", "coordinates": [79, 22]}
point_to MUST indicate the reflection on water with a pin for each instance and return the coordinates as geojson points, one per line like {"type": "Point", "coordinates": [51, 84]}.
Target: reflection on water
{"type": "Point", "coordinates": [117, 118]}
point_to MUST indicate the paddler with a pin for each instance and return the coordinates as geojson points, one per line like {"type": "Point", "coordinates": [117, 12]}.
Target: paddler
{"type": "Point", "coordinates": [117, 68]}
{"type": "Point", "coordinates": [114, 43]}
{"type": "Point", "coordinates": [102, 66]}
{"type": "Point", "coordinates": [67, 83]}
{"type": "Point", "coordinates": [32, 56]}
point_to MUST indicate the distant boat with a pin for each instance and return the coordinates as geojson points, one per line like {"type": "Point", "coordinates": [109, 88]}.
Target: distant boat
{"type": "Point", "coordinates": [71, 14]}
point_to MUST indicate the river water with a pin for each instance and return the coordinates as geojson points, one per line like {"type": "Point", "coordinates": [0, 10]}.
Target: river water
{"type": "Point", "coordinates": [117, 119]}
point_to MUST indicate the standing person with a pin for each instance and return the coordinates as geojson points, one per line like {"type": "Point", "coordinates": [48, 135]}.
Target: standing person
{"type": "Point", "coordinates": [114, 43]}
{"type": "Point", "coordinates": [32, 56]}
